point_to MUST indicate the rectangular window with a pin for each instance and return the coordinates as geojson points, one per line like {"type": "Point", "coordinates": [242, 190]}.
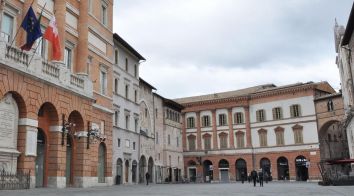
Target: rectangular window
{"type": "Point", "coordinates": [127, 122]}
{"type": "Point", "coordinates": [277, 113]}
{"type": "Point", "coordinates": [136, 96]}
{"type": "Point", "coordinates": [68, 57]}
{"type": "Point", "coordinates": [133, 145]}
{"type": "Point", "coordinates": [169, 140]}
{"type": "Point", "coordinates": [239, 118]}
{"type": "Point", "coordinates": [7, 26]}
{"type": "Point", "coordinates": [116, 86]}
{"type": "Point", "coordinates": [118, 142]}
{"type": "Point", "coordinates": [295, 111]}
{"type": "Point", "coordinates": [222, 120]}
{"type": "Point", "coordinates": [298, 136]}
{"type": "Point", "coordinates": [177, 141]}
{"type": "Point", "coordinates": [135, 71]}
{"type": "Point", "coordinates": [127, 143]}
{"type": "Point", "coordinates": [240, 139]}
{"type": "Point", "coordinates": [116, 56]}
{"type": "Point", "coordinates": [116, 118]}
{"type": "Point", "coordinates": [156, 113]}
{"type": "Point", "coordinates": [263, 138]}
{"type": "Point", "coordinates": [191, 142]}
{"type": "Point", "coordinates": [126, 64]}
{"type": "Point", "coordinates": [103, 77]}
{"type": "Point", "coordinates": [223, 140]}
{"type": "Point", "coordinates": [127, 91]}
{"type": "Point", "coordinates": [260, 114]}
{"type": "Point", "coordinates": [207, 142]}
{"type": "Point", "coordinates": [206, 121]}
{"type": "Point", "coordinates": [104, 13]}
{"type": "Point", "coordinates": [279, 138]}
{"type": "Point", "coordinates": [136, 124]}
{"type": "Point", "coordinates": [190, 122]}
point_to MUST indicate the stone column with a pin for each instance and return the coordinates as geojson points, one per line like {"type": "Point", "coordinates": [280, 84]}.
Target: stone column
{"type": "Point", "coordinates": [231, 128]}
{"type": "Point", "coordinates": [248, 127]}
{"type": "Point", "coordinates": [199, 132]}
{"type": "Point", "coordinates": [215, 132]}
{"type": "Point", "coordinates": [184, 135]}
{"type": "Point", "coordinates": [82, 49]}
{"type": "Point", "coordinates": [60, 11]}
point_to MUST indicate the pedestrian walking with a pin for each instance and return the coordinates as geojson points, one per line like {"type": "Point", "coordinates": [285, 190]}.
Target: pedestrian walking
{"type": "Point", "coordinates": [260, 177]}
{"type": "Point", "coordinates": [254, 177]}
{"type": "Point", "coordinates": [243, 177]}
{"type": "Point", "coordinates": [147, 176]}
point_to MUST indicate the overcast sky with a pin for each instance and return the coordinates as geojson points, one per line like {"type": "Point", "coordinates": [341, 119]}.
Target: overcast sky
{"type": "Point", "coordinates": [195, 47]}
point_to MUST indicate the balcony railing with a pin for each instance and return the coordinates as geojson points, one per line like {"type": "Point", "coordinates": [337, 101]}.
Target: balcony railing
{"type": "Point", "coordinates": [55, 73]}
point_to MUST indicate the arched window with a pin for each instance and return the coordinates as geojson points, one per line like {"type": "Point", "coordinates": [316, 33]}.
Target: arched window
{"type": "Point", "coordinates": [191, 142]}
{"type": "Point", "coordinates": [223, 140]}
{"type": "Point", "coordinates": [279, 134]}
{"type": "Point", "coordinates": [262, 137]}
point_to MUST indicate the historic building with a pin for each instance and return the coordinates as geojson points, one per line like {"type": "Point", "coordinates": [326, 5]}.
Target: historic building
{"type": "Point", "coordinates": [273, 128]}
{"type": "Point", "coordinates": [126, 132]}
{"type": "Point", "coordinates": [344, 45]}
{"type": "Point", "coordinates": [56, 117]}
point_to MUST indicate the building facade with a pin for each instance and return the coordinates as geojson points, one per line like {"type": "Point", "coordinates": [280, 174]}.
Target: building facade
{"type": "Point", "coordinates": [227, 135]}
{"type": "Point", "coordinates": [126, 132]}
{"type": "Point", "coordinates": [344, 45]}
{"type": "Point", "coordinates": [53, 112]}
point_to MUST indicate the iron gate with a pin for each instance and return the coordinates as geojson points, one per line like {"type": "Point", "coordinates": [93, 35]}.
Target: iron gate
{"type": "Point", "coordinates": [9, 181]}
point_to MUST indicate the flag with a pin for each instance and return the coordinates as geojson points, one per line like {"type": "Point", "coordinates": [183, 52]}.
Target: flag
{"type": "Point", "coordinates": [51, 34]}
{"type": "Point", "coordinates": [33, 28]}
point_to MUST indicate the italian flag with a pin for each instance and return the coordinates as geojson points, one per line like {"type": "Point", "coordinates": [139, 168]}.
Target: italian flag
{"type": "Point", "coordinates": [51, 34]}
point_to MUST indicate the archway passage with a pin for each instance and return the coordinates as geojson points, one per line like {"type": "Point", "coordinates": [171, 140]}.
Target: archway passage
{"type": "Point", "coordinates": [208, 171]}
{"type": "Point", "coordinates": [224, 171]}
{"type": "Point", "coordinates": [302, 173]}
{"type": "Point", "coordinates": [241, 169]}
{"type": "Point", "coordinates": [192, 171]}
{"type": "Point", "coordinates": [69, 166]}
{"type": "Point", "coordinates": [283, 168]}
{"type": "Point", "coordinates": [101, 166]}
{"type": "Point", "coordinates": [126, 171]}
{"type": "Point", "coordinates": [142, 165]}
{"type": "Point", "coordinates": [119, 171]}
{"type": "Point", "coordinates": [265, 165]}
{"type": "Point", "coordinates": [40, 159]}
{"type": "Point", "coordinates": [151, 169]}
{"type": "Point", "coordinates": [134, 169]}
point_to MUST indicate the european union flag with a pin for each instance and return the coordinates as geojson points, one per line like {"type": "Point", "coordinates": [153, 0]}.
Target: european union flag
{"type": "Point", "coordinates": [32, 26]}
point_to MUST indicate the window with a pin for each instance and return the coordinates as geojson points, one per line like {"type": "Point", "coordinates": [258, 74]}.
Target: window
{"type": "Point", "coordinates": [103, 82]}
{"type": "Point", "coordinates": [330, 106]}
{"type": "Point", "coordinates": [126, 64]}
{"type": "Point", "coordinates": [167, 114]}
{"type": "Point", "coordinates": [7, 26]}
{"type": "Point", "coordinates": [156, 113]}
{"type": "Point", "coordinates": [136, 96]}
{"type": "Point", "coordinates": [116, 118]}
{"type": "Point", "coordinates": [260, 114]}
{"type": "Point", "coordinates": [177, 141]}
{"type": "Point", "coordinates": [90, 6]}
{"type": "Point", "coordinates": [127, 117]}
{"type": "Point", "coordinates": [169, 140]}
{"type": "Point", "coordinates": [133, 145]}
{"type": "Point", "coordinates": [295, 111]}
{"type": "Point", "coordinates": [146, 112]}
{"type": "Point", "coordinates": [279, 135]}
{"type": "Point", "coordinates": [116, 56]}
{"type": "Point", "coordinates": [104, 11]}
{"type": "Point", "coordinates": [135, 70]}
{"type": "Point", "coordinates": [191, 142]}
{"type": "Point", "coordinates": [136, 122]}
{"type": "Point", "coordinates": [157, 137]}
{"type": "Point", "coordinates": [222, 120]}
{"type": "Point", "coordinates": [127, 143]}
{"type": "Point", "coordinates": [68, 57]}
{"type": "Point", "coordinates": [277, 113]}
{"type": "Point", "coordinates": [240, 139]}
{"type": "Point", "coordinates": [205, 121]}
{"type": "Point", "coordinates": [298, 135]}
{"type": "Point", "coordinates": [159, 156]}
{"type": "Point", "coordinates": [223, 140]}
{"type": "Point", "coordinates": [118, 142]}
{"type": "Point", "coordinates": [238, 118]}
{"type": "Point", "coordinates": [190, 122]}
{"type": "Point", "coordinates": [116, 86]}
{"type": "Point", "coordinates": [262, 137]}
{"type": "Point", "coordinates": [207, 141]}
{"type": "Point", "coordinates": [127, 91]}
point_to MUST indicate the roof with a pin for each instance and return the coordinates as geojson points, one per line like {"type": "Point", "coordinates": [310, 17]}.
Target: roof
{"type": "Point", "coordinates": [127, 46]}
{"type": "Point", "coordinates": [170, 103]}
{"type": "Point", "coordinates": [147, 84]}
{"type": "Point", "coordinates": [328, 96]}
{"type": "Point", "coordinates": [255, 91]}
{"type": "Point", "coordinates": [349, 29]}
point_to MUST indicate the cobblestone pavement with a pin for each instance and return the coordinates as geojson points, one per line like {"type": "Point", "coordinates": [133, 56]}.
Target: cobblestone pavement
{"type": "Point", "coordinates": [273, 189]}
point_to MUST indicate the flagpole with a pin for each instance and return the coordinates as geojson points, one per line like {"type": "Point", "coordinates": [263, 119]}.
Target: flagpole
{"type": "Point", "coordinates": [18, 29]}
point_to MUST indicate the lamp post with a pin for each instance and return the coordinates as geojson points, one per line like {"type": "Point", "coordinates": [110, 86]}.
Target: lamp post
{"type": "Point", "coordinates": [66, 128]}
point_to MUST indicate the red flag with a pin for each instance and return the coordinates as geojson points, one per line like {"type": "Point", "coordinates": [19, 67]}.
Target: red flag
{"type": "Point", "coordinates": [51, 34]}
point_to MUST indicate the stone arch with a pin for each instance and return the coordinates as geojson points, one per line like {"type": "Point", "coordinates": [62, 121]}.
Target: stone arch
{"type": "Point", "coordinates": [76, 118]}
{"type": "Point", "coordinates": [102, 163]}
{"type": "Point", "coordinates": [283, 168]}
{"type": "Point", "coordinates": [20, 101]}
{"type": "Point", "coordinates": [151, 169]}
{"type": "Point", "coordinates": [208, 170]}
{"type": "Point", "coordinates": [142, 169]}
{"type": "Point", "coordinates": [266, 165]}
{"type": "Point", "coordinates": [241, 169]}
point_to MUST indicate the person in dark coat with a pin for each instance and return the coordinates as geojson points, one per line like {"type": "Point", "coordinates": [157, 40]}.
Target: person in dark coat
{"type": "Point", "coordinates": [260, 177]}
{"type": "Point", "coordinates": [266, 177]}
{"type": "Point", "coordinates": [249, 177]}
{"type": "Point", "coordinates": [254, 177]}
{"type": "Point", "coordinates": [147, 176]}
{"type": "Point", "coordinates": [243, 177]}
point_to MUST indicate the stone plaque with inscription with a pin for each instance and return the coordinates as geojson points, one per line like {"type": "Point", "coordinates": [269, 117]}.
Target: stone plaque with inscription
{"type": "Point", "coordinates": [8, 122]}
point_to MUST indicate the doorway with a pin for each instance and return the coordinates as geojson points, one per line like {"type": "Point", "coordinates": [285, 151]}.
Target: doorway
{"type": "Point", "coordinates": [40, 159]}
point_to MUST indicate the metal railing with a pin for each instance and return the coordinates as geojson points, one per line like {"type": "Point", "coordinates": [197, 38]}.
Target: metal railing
{"type": "Point", "coordinates": [9, 181]}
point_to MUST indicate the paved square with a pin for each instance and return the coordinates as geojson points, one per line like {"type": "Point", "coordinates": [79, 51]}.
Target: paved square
{"type": "Point", "coordinates": [273, 189]}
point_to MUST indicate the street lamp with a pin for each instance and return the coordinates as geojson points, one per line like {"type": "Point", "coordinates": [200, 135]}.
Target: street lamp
{"type": "Point", "coordinates": [66, 128]}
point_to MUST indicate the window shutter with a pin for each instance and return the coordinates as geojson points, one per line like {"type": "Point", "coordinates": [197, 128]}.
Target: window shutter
{"type": "Point", "coordinates": [274, 113]}
{"type": "Point", "coordinates": [292, 111]}
{"type": "Point", "coordinates": [299, 110]}
{"type": "Point", "coordinates": [257, 116]}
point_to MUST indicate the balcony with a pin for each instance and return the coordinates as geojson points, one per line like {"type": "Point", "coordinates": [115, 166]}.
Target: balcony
{"type": "Point", "coordinates": [55, 73]}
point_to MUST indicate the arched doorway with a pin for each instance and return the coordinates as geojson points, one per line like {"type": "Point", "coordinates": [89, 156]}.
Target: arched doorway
{"type": "Point", "coordinates": [40, 159]}
{"type": "Point", "coordinates": [208, 171]}
{"type": "Point", "coordinates": [302, 173]}
{"type": "Point", "coordinates": [192, 171]}
{"type": "Point", "coordinates": [151, 169]}
{"type": "Point", "coordinates": [126, 174]}
{"type": "Point", "coordinates": [101, 166]}
{"type": "Point", "coordinates": [224, 171]}
{"type": "Point", "coordinates": [69, 158]}
{"type": "Point", "coordinates": [265, 165]}
{"type": "Point", "coordinates": [283, 168]}
{"type": "Point", "coordinates": [142, 171]}
{"type": "Point", "coordinates": [119, 171]}
{"type": "Point", "coordinates": [134, 168]}
{"type": "Point", "coordinates": [241, 169]}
